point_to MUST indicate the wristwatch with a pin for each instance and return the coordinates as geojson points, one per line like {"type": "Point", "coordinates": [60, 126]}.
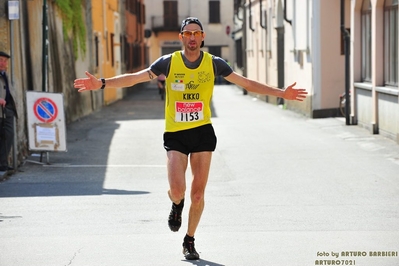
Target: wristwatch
{"type": "Point", "coordinates": [103, 81]}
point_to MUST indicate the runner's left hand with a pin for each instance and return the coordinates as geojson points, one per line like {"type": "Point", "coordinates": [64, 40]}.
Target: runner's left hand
{"type": "Point", "coordinates": [290, 93]}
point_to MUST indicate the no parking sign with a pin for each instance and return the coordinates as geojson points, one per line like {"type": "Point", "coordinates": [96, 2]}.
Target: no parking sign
{"type": "Point", "coordinates": [45, 109]}
{"type": "Point", "coordinates": [46, 121]}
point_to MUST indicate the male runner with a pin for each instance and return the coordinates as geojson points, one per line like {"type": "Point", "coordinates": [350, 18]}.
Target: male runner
{"type": "Point", "coordinates": [189, 136]}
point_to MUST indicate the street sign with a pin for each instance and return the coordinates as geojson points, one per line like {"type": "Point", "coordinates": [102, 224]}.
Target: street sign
{"type": "Point", "coordinates": [46, 121]}
{"type": "Point", "coordinates": [45, 110]}
{"type": "Point", "coordinates": [13, 10]}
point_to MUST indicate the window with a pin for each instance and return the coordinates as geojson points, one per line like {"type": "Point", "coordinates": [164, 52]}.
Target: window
{"type": "Point", "coordinates": [214, 11]}
{"type": "Point", "coordinates": [391, 43]}
{"type": "Point", "coordinates": [143, 14]}
{"type": "Point", "coordinates": [131, 6]}
{"type": "Point", "coordinates": [137, 56]}
{"type": "Point", "coordinates": [239, 59]}
{"type": "Point", "coordinates": [215, 50]}
{"type": "Point", "coordinates": [366, 41]}
{"type": "Point", "coordinates": [128, 54]}
{"type": "Point", "coordinates": [111, 37]}
{"type": "Point", "coordinates": [97, 52]}
{"type": "Point", "coordinates": [170, 17]}
{"type": "Point", "coordinates": [140, 13]}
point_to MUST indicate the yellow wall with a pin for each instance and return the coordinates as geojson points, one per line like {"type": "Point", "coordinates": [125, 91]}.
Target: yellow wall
{"type": "Point", "coordinates": [155, 43]}
{"type": "Point", "coordinates": [104, 14]}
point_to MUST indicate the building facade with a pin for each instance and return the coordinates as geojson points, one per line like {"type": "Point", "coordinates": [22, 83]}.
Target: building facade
{"type": "Point", "coordinates": [104, 37]}
{"type": "Point", "coordinates": [117, 41]}
{"type": "Point", "coordinates": [374, 66]}
{"type": "Point", "coordinates": [164, 19]}
{"type": "Point", "coordinates": [284, 41]}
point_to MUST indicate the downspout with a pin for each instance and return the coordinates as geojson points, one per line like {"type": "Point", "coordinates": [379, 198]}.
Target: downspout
{"type": "Point", "coordinates": [105, 32]}
{"type": "Point", "coordinates": [44, 47]}
{"type": "Point", "coordinates": [285, 13]}
{"type": "Point", "coordinates": [346, 36]}
{"type": "Point", "coordinates": [104, 19]}
{"type": "Point", "coordinates": [15, 142]}
{"type": "Point", "coordinates": [243, 41]}
{"type": "Point", "coordinates": [264, 26]}
{"type": "Point", "coordinates": [250, 27]}
{"type": "Point", "coordinates": [250, 16]}
{"type": "Point", "coordinates": [261, 14]}
{"type": "Point", "coordinates": [244, 45]}
{"type": "Point", "coordinates": [237, 12]}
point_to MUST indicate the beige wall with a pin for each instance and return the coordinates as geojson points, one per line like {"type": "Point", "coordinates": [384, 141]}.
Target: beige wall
{"type": "Point", "coordinates": [331, 61]}
{"type": "Point", "coordinates": [314, 59]}
{"type": "Point", "coordinates": [163, 39]}
{"type": "Point", "coordinates": [215, 33]}
{"type": "Point", "coordinates": [374, 105]}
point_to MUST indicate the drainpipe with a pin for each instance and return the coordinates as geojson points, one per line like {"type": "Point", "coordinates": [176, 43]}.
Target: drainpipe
{"type": "Point", "coordinates": [261, 15]}
{"type": "Point", "coordinates": [15, 142]}
{"type": "Point", "coordinates": [237, 11]}
{"type": "Point", "coordinates": [264, 26]}
{"type": "Point", "coordinates": [347, 62]}
{"type": "Point", "coordinates": [44, 47]}
{"type": "Point", "coordinates": [244, 45]}
{"type": "Point", "coordinates": [250, 15]}
{"type": "Point", "coordinates": [105, 32]}
{"type": "Point", "coordinates": [285, 13]}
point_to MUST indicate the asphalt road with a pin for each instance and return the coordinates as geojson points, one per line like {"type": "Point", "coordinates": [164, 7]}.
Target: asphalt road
{"type": "Point", "coordinates": [283, 190]}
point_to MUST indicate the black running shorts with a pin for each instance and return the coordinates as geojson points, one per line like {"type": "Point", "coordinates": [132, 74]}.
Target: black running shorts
{"type": "Point", "coordinates": [187, 141]}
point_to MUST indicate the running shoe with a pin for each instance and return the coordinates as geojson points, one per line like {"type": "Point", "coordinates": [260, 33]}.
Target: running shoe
{"type": "Point", "coordinates": [189, 250]}
{"type": "Point", "coordinates": [174, 220]}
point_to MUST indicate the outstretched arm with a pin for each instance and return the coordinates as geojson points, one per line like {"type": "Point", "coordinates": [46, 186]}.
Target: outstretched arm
{"type": "Point", "coordinates": [120, 81]}
{"type": "Point", "coordinates": [290, 93]}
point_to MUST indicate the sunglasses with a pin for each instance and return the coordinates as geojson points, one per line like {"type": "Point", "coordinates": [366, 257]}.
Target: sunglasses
{"type": "Point", "coordinates": [188, 34]}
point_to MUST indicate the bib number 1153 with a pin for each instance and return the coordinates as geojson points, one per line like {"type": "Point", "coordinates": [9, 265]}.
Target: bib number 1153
{"type": "Point", "coordinates": [189, 111]}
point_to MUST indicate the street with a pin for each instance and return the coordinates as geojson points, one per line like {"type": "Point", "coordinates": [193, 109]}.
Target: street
{"type": "Point", "coordinates": [283, 190]}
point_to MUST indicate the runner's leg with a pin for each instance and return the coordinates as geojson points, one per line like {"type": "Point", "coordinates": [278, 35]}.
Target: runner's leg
{"type": "Point", "coordinates": [200, 164]}
{"type": "Point", "coordinates": [177, 165]}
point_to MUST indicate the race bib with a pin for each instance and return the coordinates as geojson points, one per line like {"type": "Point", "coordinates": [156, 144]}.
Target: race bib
{"type": "Point", "coordinates": [189, 111]}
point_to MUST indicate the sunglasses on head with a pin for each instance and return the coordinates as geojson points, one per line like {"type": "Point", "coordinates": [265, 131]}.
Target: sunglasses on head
{"type": "Point", "coordinates": [188, 34]}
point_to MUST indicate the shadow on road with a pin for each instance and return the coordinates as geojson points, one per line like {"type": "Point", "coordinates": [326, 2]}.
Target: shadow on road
{"type": "Point", "coordinates": [202, 262]}
{"type": "Point", "coordinates": [88, 143]}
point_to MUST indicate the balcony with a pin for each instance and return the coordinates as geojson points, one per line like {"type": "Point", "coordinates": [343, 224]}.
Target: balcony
{"type": "Point", "coordinates": [166, 23]}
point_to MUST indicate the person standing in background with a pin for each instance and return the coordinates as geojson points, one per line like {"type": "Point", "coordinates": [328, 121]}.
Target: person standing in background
{"type": "Point", "coordinates": [8, 111]}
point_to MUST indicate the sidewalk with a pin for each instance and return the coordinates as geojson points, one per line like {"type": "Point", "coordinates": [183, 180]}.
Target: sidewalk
{"type": "Point", "coordinates": [283, 190]}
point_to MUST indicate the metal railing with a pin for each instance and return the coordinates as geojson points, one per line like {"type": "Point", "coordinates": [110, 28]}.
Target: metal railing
{"type": "Point", "coordinates": [166, 23]}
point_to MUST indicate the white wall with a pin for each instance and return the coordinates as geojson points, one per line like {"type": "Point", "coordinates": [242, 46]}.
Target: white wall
{"type": "Point", "coordinates": [215, 33]}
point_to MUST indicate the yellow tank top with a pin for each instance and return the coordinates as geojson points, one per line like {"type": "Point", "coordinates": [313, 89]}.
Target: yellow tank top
{"type": "Point", "coordinates": [188, 94]}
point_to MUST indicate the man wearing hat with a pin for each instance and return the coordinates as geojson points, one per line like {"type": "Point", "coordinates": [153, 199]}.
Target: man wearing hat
{"type": "Point", "coordinates": [8, 110]}
{"type": "Point", "coordinates": [189, 136]}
